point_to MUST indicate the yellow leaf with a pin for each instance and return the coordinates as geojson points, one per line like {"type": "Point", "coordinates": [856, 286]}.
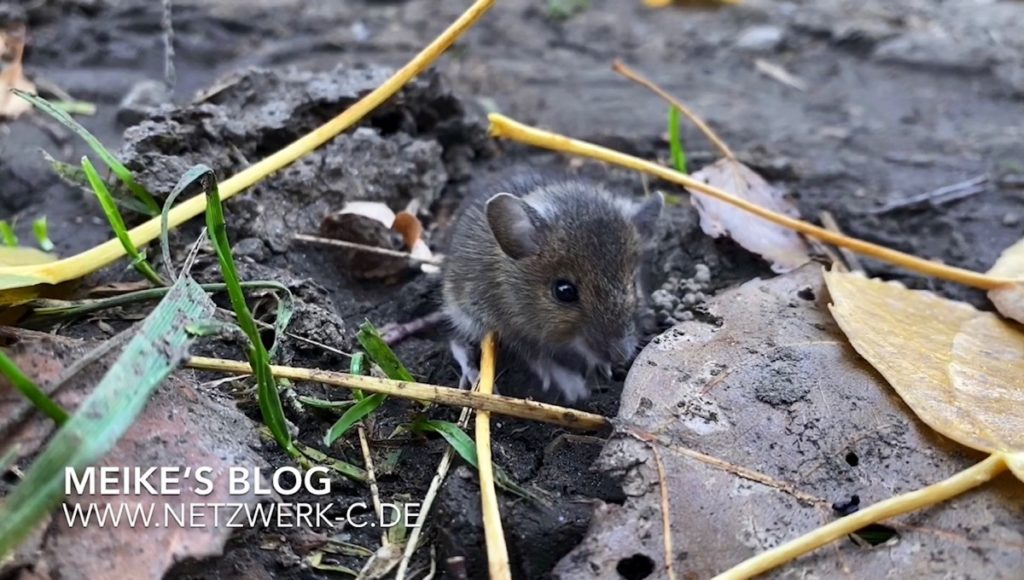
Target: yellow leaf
{"type": "Point", "coordinates": [22, 256]}
{"type": "Point", "coordinates": [959, 369]}
{"type": "Point", "coordinates": [1009, 300]}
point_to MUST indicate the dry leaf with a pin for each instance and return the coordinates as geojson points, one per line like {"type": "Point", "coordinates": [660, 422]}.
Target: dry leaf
{"type": "Point", "coordinates": [784, 248]}
{"type": "Point", "coordinates": [411, 229]}
{"type": "Point", "coordinates": [1009, 300]}
{"type": "Point", "coordinates": [961, 370]}
{"type": "Point", "coordinates": [372, 223]}
{"type": "Point", "coordinates": [789, 421]}
{"type": "Point", "coordinates": [780, 74]}
{"type": "Point", "coordinates": [13, 77]}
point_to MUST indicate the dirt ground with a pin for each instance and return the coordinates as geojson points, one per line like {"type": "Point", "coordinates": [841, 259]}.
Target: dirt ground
{"type": "Point", "coordinates": [893, 102]}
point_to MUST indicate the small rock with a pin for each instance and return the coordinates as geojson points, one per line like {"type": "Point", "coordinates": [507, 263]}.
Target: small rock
{"type": "Point", "coordinates": [702, 274]}
{"type": "Point", "coordinates": [664, 300]}
{"type": "Point", "coordinates": [1011, 219]}
{"type": "Point", "coordinates": [144, 96]}
{"type": "Point", "coordinates": [251, 247]}
{"type": "Point", "coordinates": [760, 38]}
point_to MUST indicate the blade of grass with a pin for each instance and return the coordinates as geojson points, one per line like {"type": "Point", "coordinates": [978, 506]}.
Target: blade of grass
{"type": "Point", "coordinates": [148, 358]}
{"type": "Point", "coordinates": [347, 469]}
{"type": "Point", "coordinates": [9, 457]}
{"type": "Point", "coordinates": [675, 141]}
{"type": "Point", "coordinates": [355, 414]}
{"type": "Point", "coordinates": [52, 309]}
{"type": "Point", "coordinates": [117, 223]}
{"type": "Point", "coordinates": [41, 232]}
{"type": "Point", "coordinates": [466, 448]}
{"type": "Point", "coordinates": [75, 177]}
{"type": "Point", "coordinates": [324, 404]}
{"type": "Point", "coordinates": [27, 387]}
{"type": "Point", "coordinates": [259, 359]}
{"type": "Point", "coordinates": [381, 354]}
{"type": "Point", "coordinates": [108, 158]}
{"type": "Point", "coordinates": [10, 239]}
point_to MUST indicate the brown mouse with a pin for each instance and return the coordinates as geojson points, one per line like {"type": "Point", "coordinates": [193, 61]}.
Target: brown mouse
{"type": "Point", "coordinates": [552, 267]}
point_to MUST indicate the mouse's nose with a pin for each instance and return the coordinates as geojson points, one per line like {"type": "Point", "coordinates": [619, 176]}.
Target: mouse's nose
{"type": "Point", "coordinates": [622, 348]}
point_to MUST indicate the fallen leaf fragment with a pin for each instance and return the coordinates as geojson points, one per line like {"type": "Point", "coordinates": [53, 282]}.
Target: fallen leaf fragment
{"type": "Point", "coordinates": [776, 72]}
{"type": "Point", "coordinates": [1009, 300]}
{"type": "Point", "coordinates": [372, 223]}
{"type": "Point", "coordinates": [959, 369]}
{"type": "Point", "coordinates": [13, 77]}
{"type": "Point", "coordinates": [784, 248]}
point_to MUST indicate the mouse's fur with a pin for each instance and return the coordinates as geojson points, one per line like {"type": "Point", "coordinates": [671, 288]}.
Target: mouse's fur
{"type": "Point", "coordinates": [510, 245]}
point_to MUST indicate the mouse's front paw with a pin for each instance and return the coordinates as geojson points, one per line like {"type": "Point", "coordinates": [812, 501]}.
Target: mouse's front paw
{"type": "Point", "coordinates": [469, 371]}
{"type": "Point", "coordinates": [571, 384]}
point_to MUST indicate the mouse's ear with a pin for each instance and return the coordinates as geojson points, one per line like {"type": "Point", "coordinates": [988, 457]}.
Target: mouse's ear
{"type": "Point", "coordinates": [516, 225]}
{"type": "Point", "coordinates": [645, 216]}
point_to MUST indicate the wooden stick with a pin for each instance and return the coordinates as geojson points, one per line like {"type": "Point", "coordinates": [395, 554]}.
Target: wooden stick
{"type": "Point", "coordinates": [510, 406]}
{"type": "Point", "coordinates": [497, 551]}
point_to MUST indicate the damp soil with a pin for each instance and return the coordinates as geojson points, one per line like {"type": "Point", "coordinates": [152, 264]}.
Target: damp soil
{"type": "Point", "coordinates": [884, 114]}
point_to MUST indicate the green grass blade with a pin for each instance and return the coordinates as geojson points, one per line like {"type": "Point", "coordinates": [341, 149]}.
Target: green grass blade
{"type": "Point", "coordinates": [347, 469]}
{"type": "Point", "coordinates": [10, 239]}
{"type": "Point", "coordinates": [122, 172]}
{"type": "Point", "coordinates": [353, 415]}
{"type": "Point", "coordinates": [464, 445]}
{"type": "Point", "coordinates": [117, 223]}
{"type": "Point", "coordinates": [323, 403]}
{"type": "Point", "coordinates": [75, 177]}
{"type": "Point", "coordinates": [675, 141]}
{"type": "Point", "coordinates": [42, 234]}
{"type": "Point", "coordinates": [148, 358]}
{"type": "Point", "coordinates": [380, 353]}
{"type": "Point", "coordinates": [259, 358]}
{"type": "Point", "coordinates": [32, 391]}
{"type": "Point", "coordinates": [9, 457]}
{"type": "Point", "coordinates": [53, 309]}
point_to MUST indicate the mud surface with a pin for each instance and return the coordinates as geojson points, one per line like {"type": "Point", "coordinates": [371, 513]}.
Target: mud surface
{"type": "Point", "coordinates": [896, 102]}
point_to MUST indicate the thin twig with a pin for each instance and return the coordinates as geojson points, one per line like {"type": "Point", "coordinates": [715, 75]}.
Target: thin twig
{"type": "Point", "coordinates": [944, 194]}
{"type": "Point", "coordinates": [167, 25]}
{"type": "Point", "coordinates": [883, 510]}
{"type": "Point", "coordinates": [371, 478]}
{"type": "Point", "coordinates": [510, 406]}
{"type": "Point", "coordinates": [428, 501]}
{"type": "Point", "coordinates": [497, 551]}
{"type": "Point", "coordinates": [619, 67]}
{"type": "Point", "coordinates": [434, 261]}
{"type": "Point", "coordinates": [666, 514]}
{"type": "Point", "coordinates": [851, 259]}
{"type": "Point", "coordinates": [503, 127]}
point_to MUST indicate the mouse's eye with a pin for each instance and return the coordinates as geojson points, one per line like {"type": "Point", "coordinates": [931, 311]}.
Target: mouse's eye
{"type": "Point", "coordinates": [564, 291]}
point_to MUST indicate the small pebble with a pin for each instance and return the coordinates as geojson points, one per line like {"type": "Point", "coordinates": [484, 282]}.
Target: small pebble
{"type": "Point", "coordinates": [702, 274]}
{"type": "Point", "coordinates": [1011, 219]}
{"type": "Point", "coordinates": [761, 38]}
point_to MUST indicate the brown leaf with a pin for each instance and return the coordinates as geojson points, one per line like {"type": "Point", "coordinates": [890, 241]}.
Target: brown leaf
{"type": "Point", "coordinates": [784, 248]}
{"type": "Point", "coordinates": [13, 77]}
{"type": "Point", "coordinates": [961, 370]}
{"type": "Point", "coordinates": [1009, 300]}
{"type": "Point", "coordinates": [764, 420]}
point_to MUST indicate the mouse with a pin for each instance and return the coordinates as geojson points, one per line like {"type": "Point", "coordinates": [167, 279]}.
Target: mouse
{"type": "Point", "coordinates": [552, 266]}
